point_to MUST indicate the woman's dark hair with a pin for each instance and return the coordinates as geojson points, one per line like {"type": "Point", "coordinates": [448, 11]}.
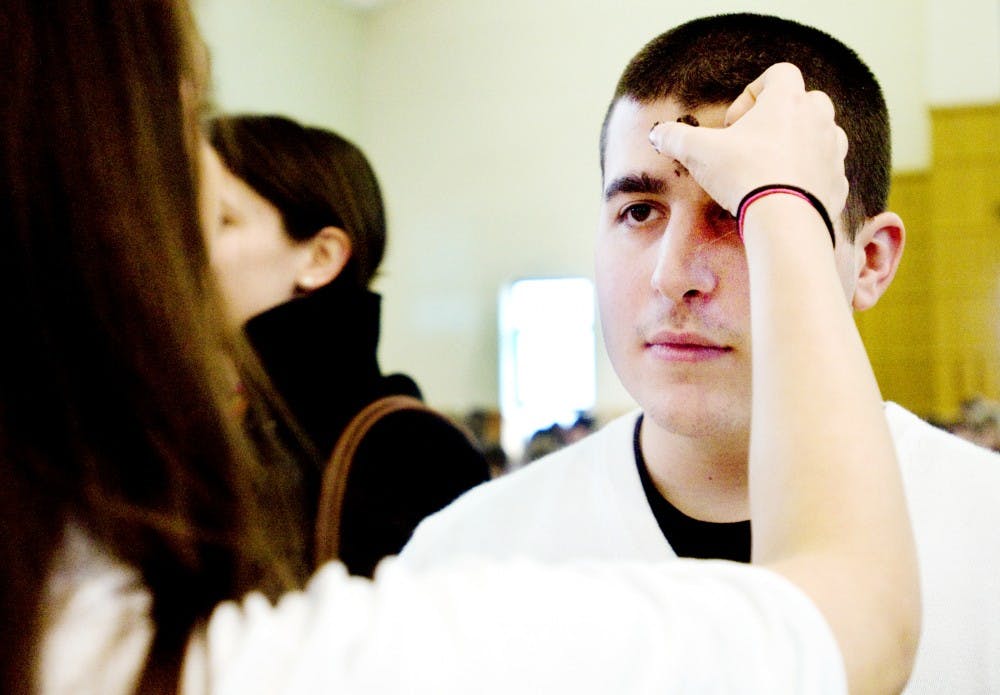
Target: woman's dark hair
{"type": "Point", "coordinates": [116, 407]}
{"type": "Point", "coordinates": [314, 177]}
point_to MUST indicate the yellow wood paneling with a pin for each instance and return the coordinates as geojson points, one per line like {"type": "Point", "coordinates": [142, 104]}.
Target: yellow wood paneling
{"type": "Point", "coordinates": [934, 338]}
{"type": "Point", "coordinates": [898, 331]}
{"type": "Point", "coordinates": [965, 272]}
{"type": "Point", "coordinates": [963, 133]}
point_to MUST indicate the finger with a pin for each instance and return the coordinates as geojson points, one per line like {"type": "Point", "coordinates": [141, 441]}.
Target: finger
{"type": "Point", "coordinates": [784, 74]}
{"type": "Point", "coordinates": [673, 139]}
{"type": "Point", "coordinates": [842, 143]}
{"type": "Point", "coordinates": [820, 101]}
{"type": "Point", "coordinates": [743, 103]}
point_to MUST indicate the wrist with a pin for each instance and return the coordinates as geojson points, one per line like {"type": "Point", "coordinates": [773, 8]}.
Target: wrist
{"type": "Point", "coordinates": [770, 190]}
{"type": "Point", "coordinates": [784, 227]}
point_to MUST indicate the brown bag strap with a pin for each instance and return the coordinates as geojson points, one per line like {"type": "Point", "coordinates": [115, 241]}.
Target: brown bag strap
{"type": "Point", "coordinates": [334, 483]}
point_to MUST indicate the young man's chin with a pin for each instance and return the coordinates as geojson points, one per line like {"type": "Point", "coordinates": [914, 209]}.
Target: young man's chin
{"type": "Point", "coordinates": [697, 417]}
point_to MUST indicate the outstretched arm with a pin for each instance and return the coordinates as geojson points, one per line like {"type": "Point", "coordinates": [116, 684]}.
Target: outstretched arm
{"type": "Point", "coordinates": [826, 497]}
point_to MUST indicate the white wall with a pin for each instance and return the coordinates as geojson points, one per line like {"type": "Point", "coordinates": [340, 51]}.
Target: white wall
{"type": "Point", "coordinates": [482, 117]}
{"type": "Point", "coordinates": [963, 51]}
{"type": "Point", "coordinates": [300, 58]}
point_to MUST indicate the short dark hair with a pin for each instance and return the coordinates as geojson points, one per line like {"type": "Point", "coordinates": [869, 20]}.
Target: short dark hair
{"type": "Point", "coordinates": [314, 177]}
{"type": "Point", "coordinates": [712, 59]}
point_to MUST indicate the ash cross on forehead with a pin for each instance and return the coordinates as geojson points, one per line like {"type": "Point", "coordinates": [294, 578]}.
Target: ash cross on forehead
{"type": "Point", "coordinates": [690, 120]}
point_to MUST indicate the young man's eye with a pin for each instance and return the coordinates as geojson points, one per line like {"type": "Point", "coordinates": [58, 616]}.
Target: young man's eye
{"type": "Point", "coordinates": [637, 213]}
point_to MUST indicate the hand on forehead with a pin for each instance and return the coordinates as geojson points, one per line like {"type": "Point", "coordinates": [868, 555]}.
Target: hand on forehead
{"type": "Point", "coordinates": [775, 133]}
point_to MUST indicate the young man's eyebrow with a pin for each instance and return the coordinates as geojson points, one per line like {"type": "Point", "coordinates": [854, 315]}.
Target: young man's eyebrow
{"type": "Point", "coordinates": [635, 183]}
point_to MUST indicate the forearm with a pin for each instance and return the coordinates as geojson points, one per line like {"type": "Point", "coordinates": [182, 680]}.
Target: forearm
{"type": "Point", "coordinates": [826, 495]}
{"type": "Point", "coordinates": [817, 413]}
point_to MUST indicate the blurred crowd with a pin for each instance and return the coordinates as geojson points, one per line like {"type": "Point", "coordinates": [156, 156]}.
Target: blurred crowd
{"type": "Point", "coordinates": [979, 422]}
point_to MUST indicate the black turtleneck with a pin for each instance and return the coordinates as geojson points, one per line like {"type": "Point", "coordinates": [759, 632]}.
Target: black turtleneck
{"type": "Point", "coordinates": [320, 352]}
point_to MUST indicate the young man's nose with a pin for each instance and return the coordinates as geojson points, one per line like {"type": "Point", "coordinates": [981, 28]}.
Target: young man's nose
{"type": "Point", "coordinates": [683, 267]}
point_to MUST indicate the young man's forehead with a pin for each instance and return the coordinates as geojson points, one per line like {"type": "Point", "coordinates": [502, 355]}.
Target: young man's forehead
{"type": "Point", "coordinates": [630, 121]}
{"type": "Point", "coordinates": [670, 104]}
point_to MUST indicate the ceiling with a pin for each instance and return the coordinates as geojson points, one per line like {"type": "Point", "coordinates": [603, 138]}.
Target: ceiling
{"type": "Point", "coordinates": [365, 4]}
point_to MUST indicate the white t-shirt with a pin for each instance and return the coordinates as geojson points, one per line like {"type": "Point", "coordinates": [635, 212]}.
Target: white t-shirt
{"type": "Point", "coordinates": [679, 627]}
{"type": "Point", "coordinates": [586, 502]}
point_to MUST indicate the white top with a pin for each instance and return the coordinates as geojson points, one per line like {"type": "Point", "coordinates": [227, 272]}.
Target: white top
{"type": "Point", "coordinates": [678, 627]}
{"type": "Point", "coordinates": [586, 502]}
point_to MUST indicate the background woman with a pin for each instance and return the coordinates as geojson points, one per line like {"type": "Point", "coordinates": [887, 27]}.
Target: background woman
{"type": "Point", "coordinates": [301, 237]}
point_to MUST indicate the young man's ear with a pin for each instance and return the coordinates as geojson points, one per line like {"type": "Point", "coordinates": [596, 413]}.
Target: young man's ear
{"type": "Point", "coordinates": [878, 248]}
{"type": "Point", "coordinates": [328, 253]}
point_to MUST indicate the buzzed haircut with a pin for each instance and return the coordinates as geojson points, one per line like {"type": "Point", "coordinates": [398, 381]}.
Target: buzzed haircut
{"type": "Point", "coordinates": [711, 60]}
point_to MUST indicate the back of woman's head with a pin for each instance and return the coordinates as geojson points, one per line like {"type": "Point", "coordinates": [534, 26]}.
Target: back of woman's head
{"type": "Point", "coordinates": [314, 177]}
{"type": "Point", "coordinates": [112, 416]}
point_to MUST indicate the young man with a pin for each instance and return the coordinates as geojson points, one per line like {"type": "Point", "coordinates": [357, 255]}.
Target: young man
{"type": "Point", "coordinates": [671, 479]}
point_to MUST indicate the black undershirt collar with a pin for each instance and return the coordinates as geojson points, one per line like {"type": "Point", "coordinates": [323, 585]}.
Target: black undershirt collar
{"type": "Point", "coordinates": [687, 536]}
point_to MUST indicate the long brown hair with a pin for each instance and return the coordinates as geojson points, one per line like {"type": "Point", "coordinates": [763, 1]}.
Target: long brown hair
{"type": "Point", "coordinates": [113, 413]}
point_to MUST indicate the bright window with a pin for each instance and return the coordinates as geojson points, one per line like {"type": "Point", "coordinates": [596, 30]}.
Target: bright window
{"type": "Point", "coordinates": [546, 356]}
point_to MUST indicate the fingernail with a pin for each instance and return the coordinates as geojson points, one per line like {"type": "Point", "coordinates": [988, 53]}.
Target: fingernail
{"type": "Point", "coordinates": [651, 140]}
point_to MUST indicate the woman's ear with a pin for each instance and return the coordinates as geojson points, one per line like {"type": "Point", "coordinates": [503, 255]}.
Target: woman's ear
{"type": "Point", "coordinates": [878, 247]}
{"type": "Point", "coordinates": [328, 252]}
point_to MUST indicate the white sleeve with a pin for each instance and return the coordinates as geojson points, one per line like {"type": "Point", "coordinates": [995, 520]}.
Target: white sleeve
{"type": "Point", "coordinates": [681, 627]}
{"type": "Point", "coordinates": [95, 623]}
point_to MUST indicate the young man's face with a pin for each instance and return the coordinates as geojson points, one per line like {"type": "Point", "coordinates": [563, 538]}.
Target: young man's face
{"type": "Point", "coordinates": [672, 281]}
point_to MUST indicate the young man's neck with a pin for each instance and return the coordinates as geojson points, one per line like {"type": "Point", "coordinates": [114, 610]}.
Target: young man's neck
{"type": "Point", "coordinates": [703, 477]}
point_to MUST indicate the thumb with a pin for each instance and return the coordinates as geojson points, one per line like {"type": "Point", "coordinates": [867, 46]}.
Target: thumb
{"type": "Point", "coordinates": [672, 139]}
{"type": "Point", "coordinates": [689, 145]}
{"type": "Point", "coordinates": [707, 156]}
